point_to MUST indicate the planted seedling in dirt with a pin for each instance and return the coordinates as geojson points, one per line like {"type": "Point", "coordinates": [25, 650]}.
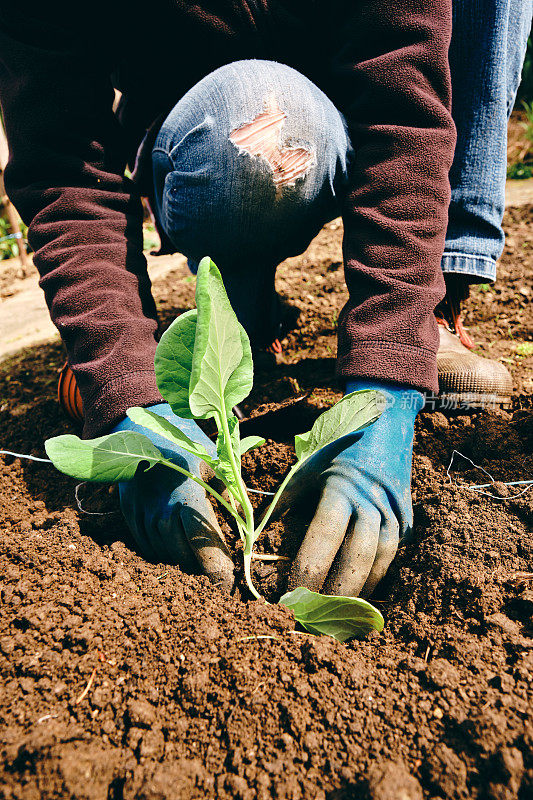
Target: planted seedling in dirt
{"type": "Point", "coordinates": [203, 368]}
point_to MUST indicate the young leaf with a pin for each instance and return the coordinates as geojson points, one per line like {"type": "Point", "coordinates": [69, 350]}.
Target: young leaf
{"type": "Point", "coordinates": [241, 380]}
{"type": "Point", "coordinates": [340, 617]}
{"type": "Point", "coordinates": [108, 459]}
{"type": "Point", "coordinates": [354, 412]}
{"type": "Point", "coordinates": [173, 362]}
{"type": "Point", "coordinates": [222, 372]}
{"type": "Point", "coordinates": [162, 427]}
{"type": "Point", "coordinates": [250, 442]}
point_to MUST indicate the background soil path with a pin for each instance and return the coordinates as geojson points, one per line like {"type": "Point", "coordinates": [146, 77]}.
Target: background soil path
{"type": "Point", "coordinates": [126, 680]}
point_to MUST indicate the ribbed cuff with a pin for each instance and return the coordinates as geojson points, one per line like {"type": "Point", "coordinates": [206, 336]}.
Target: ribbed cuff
{"type": "Point", "coordinates": [479, 268]}
{"type": "Point", "coordinates": [389, 361]}
{"type": "Point", "coordinates": [114, 399]}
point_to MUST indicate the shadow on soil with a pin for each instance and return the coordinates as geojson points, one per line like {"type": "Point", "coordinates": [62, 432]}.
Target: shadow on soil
{"type": "Point", "coordinates": [31, 414]}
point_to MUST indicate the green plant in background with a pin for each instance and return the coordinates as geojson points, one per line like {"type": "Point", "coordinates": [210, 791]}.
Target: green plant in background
{"type": "Point", "coordinates": [150, 238]}
{"type": "Point", "coordinates": [528, 125]}
{"type": "Point", "coordinates": [523, 167]}
{"type": "Point", "coordinates": [519, 171]}
{"type": "Point", "coordinates": [8, 243]}
{"type": "Point", "coordinates": [524, 349]}
{"type": "Point", "coordinates": [203, 367]}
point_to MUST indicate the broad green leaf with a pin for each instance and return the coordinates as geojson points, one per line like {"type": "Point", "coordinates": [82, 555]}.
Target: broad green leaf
{"type": "Point", "coordinates": [250, 442]}
{"type": "Point", "coordinates": [162, 427]}
{"type": "Point", "coordinates": [222, 372]}
{"type": "Point", "coordinates": [241, 380]}
{"type": "Point", "coordinates": [354, 412]}
{"type": "Point", "coordinates": [173, 362]}
{"type": "Point", "coordinates": [107, 459]}
{"type": "Point", "coordinates": [340, 617]}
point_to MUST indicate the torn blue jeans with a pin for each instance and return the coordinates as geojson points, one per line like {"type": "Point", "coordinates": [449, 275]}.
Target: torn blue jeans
{"type": "Point", "coordinates": [487, 51]}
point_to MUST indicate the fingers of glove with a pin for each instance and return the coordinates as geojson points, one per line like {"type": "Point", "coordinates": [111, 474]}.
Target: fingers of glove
{"type": "Point", "coordinates": [323, 539]}
{"type": "Point", "coordinates": [306, 480]}
{"type": "Point", "coordinates": [301, 487]}
{"type": "Point", "coordinates": [207, 542]}
{"type": "Point", "coordinates": [405, 512]}
{"type": "Point", "coordinates": [389, 536]}
{"type": "Point", "coordinates": [133, 512]}
{"type": "Point", "coordinates": [169, 540]}
{"type": "Point", "coordinates": [356, 557]}
{"type": "Point", "coordinates": [207, 474]}
{"type": "Point", "coordinates": [157, 532]}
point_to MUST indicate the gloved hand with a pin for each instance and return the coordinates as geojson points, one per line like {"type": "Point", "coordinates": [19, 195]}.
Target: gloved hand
{"type": "Point", "coordinates": [169, 515]}
{"type": "Point", "coordinates": [363, 486]}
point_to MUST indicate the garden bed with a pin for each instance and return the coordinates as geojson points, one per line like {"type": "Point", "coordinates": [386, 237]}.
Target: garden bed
{"type": "Point", "coordinates": [122, 679]}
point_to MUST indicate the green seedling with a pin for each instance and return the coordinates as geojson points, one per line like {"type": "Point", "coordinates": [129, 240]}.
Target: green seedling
{"type": "Point", "coordinates": [528, 126]}
{"type": "Point", "coordinates": [203, 368]}
{"type": "Point", "coordinates": [524, 349]}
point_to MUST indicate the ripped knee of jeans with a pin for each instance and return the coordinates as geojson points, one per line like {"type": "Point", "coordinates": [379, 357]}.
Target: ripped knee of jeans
{"type": "Point", "coordinates": [261, 138]}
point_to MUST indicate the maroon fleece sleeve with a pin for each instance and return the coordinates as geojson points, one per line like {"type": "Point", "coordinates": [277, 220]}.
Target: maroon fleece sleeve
{"type": "Point", "coordinates": [392, 82]}
{"type": "Point", "coordinates": [389, 76]}
{"type": "Point", "coordinates": [66, 178]}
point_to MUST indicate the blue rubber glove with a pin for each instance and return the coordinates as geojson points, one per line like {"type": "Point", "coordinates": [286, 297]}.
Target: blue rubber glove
{"type": "Point", "coordinates": [363, 486]}
{"type": "Point", "coordinates": [170, 516]}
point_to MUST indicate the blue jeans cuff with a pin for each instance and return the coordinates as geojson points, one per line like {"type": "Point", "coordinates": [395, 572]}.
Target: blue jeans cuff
{"type": "Point", "coordinates": [481, 268]}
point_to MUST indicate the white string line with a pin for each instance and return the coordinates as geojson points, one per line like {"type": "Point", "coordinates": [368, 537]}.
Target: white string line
{"type": "Point", "coordinates": [497, 497]}
{"type": "Point", "coordinates": [76, 490]}
{"type": "Point", "coordinates": [25, 455]}
{"type": "Point", "coordinates": [78, 501]}
{"type": "Point", "coordinates": [478, 488]}
{"type": "Point", "coordinates": [506, 483]}
{"type": "Point", "coordinates": [83, 510]}
{"type": "Point", "coordinates": [477, 466]}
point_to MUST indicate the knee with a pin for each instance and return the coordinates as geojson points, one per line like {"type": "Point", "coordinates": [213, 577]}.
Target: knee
{"type": "Point", "coordinates": [269, 113]}
{"type": "Point", "coordinates": [261, 138]}
{"type": "Point", "coordinates": [253, 146]}
{"type": "Point", "coordinates": [277, 119]}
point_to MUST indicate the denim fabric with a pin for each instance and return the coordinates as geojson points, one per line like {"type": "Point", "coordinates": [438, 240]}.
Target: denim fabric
{"type": "Point", "coordinates": [487, 51]}
{"type": "Point", "coordinates": [215, 198]}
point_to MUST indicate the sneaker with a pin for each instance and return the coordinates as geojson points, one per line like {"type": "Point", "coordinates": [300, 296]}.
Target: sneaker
{"type": "Point", "coordinates": [68, 395]}
{"type": "Point", "coordinates": [267, 354]}
{"type": "Point", "coordinates": [466, 380]}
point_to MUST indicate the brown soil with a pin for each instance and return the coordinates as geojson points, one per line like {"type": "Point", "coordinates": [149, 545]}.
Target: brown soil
{"type": "Point", "coordinates": [519, 148]}
{"type": "Point", "coordinates": [12, 275]}
{"type": "Point", "coordinates": [123, 679]}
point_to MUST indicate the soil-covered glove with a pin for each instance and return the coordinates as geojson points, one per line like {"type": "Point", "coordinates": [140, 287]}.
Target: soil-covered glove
{"type": "Point", "coordinates": [363, 486]}
{"type": "Point", "coordinates": [169, 515]}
